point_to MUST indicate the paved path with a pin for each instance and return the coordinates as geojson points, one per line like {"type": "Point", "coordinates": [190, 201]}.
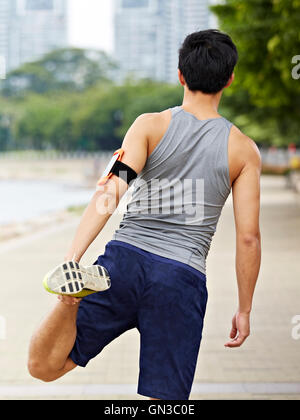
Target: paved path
{"type": "Point", "coordinates": [267, 367]}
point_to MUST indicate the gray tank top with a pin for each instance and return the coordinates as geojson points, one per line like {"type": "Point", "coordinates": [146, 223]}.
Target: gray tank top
{"type": "Point", "coordinates": [179, 196]}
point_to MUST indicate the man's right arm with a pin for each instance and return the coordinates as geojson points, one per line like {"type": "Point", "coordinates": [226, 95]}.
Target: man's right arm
{"type": "Point", "coordinates": [246, 200]}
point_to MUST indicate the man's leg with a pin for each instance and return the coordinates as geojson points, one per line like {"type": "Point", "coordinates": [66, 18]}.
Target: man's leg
{"type": "Point", "coordinates": [53, 342]}
{"type": "Point", "coordinates": [73, 335]}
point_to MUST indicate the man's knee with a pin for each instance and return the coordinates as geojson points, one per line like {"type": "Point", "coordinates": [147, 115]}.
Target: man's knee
{"type": "Point", "coordinates": [40, 371]}
{"type": "Point", "coordinates": [45, 372]}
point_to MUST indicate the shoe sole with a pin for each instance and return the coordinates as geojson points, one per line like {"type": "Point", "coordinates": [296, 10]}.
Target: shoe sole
{"type": "Point", "coordinates": [71, 279]}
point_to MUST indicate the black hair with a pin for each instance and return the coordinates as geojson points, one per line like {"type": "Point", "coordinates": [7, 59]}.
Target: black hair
{"type": "Point", "coordinates": [207, 60]}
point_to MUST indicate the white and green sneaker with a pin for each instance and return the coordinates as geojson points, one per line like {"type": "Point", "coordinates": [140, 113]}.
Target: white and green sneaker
{"type": "Point", "coordinates": [75, 280]}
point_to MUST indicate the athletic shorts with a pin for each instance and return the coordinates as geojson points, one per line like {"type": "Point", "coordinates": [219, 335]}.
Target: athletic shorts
{"type": "Point", "coordinates": [165, 300]}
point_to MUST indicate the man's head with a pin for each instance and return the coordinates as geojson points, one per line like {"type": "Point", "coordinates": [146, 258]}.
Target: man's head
{"type": "Point", "coordinates": [207, 60]}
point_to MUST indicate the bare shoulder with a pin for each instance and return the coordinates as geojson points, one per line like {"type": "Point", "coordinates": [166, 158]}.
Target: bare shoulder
{"type": "Point", "coordinates": [154, 122]}
{"type": "Point", "coordinates": [153, 126]}
{"type": "Point", "coordinates": [141, 128]}
{"type": "Point", "coordinates": [243, 148]}
{"type": "Point", "coordinates": [243, 153]}
{"type": "Point", "coordinates": [146, 131]}
{"type": "Point", "coordinates": [155, 116]}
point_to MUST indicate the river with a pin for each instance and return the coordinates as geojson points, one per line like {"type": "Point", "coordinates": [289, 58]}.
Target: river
{"type": "Point", "coordinates": [25, 200]}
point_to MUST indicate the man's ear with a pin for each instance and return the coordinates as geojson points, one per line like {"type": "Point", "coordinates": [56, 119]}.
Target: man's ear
{"type": "Point", "coordinates": [230, 81]}
{"type": "Point", "coordinates": [181, 78]}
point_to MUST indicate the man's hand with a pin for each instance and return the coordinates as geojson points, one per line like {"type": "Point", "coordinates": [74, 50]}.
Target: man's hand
{"type": "Point", "coordinates": [240, 330]}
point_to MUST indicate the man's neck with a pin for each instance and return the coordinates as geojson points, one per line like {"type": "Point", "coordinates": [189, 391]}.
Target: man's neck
{"type": "Point", "coordinates": [201, 105]}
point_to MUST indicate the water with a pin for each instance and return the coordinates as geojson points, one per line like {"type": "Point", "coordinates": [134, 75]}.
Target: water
{"type": "Point", "coordinates": [25, 200]}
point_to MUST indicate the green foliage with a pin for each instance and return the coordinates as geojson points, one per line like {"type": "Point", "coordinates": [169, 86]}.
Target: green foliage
{"type": "Point", "coordinates": [68, 101]}
{"type": "Point", "coordinates": [265, 94]}
{"type": "Point", "coordinates": [147, 96]}
{"type": "Point", "coordinates": [45, 122]}
{"type": "Point", "coordinates": [69, 69]}
{"type": "Point", "coordinates": [96, 119]}
{"type": "Point", "coordinates": [4, 137]}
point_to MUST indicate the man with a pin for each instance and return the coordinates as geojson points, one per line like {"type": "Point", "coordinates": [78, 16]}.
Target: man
{"type": "Point", "coordinates": [188, 159]}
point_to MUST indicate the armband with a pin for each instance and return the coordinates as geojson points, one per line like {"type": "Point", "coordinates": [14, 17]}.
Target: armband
{"type": "Point", "coordinates": [118, 168]}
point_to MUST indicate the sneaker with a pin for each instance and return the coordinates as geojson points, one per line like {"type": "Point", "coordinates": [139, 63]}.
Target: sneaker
{"type": "Point", "coordinates": [75, 280]}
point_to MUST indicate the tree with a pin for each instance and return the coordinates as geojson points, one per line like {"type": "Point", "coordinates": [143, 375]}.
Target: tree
{"type": "Point", "coordinates": [46, 122]}
{"type": "Point", "coordinates": [147, 96]}
{"type": "Point", "coordinates": [4, 133]}
{"type": "Point", "coordinates": [267, 36]}
{"type": "Point", "coordinates": [96, 119]}
{"type": "Point", "coordinates": [70, 69]}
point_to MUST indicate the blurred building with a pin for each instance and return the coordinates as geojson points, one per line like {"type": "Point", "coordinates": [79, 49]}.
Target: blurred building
{"type": "Point", "coordinates": [31, 28]}
{"type": "Point", "coordinates": [148, 34]}
{"type": "Point", "coordinates": [5, 9]}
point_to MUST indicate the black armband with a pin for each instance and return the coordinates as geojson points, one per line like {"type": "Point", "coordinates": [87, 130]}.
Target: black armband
{"type": "Point", "coordinates": [118, 168]}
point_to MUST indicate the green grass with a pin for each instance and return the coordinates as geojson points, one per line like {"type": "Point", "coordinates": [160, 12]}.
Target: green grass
{"type": "Point", "coordinates": [77, 210]}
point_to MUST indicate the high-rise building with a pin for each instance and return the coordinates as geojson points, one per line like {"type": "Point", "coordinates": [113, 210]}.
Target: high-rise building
{"type": "Point", "coordinates": [31, 28]}
{"type": "Point", "coordinates": [148, 34]}
{"type": "Point", "coordinates": [137, 37]}
{"type": "Point", "coordinates": [5, 13]}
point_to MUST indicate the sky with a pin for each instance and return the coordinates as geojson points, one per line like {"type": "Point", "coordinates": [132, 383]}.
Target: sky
{"type": "Point", "coordinates": [91, 24]}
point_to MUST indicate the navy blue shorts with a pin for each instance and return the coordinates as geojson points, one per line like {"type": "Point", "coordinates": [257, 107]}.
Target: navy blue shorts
{"type": "Point", "coordinates": [165, 300]}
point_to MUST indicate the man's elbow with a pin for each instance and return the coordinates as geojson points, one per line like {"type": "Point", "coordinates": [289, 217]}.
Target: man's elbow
{"type": "Point", "coordinates": [105, 202]}
{"type": "Point", "coordinates": [250, 240]}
